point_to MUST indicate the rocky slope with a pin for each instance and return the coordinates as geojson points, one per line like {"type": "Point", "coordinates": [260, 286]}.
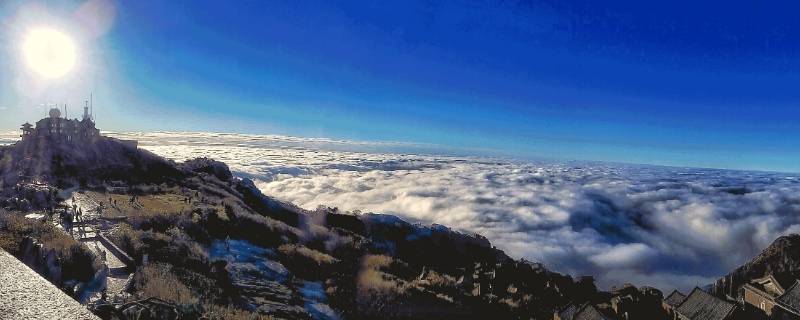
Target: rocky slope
{"type": "Point", "coordinates": [781, 259]}
{"type": "Point", "coordinates": [65, 164]}
{"type": "Point", "coordinates": [209, 244]}
{"type": "Point", "coordinates": [229, 249]}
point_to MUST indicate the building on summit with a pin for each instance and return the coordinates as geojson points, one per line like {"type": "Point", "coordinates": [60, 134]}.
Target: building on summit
{"type": "Point", "coordinates": [61, 129]}
{"type": "Point", "coordinates": [57, 128]}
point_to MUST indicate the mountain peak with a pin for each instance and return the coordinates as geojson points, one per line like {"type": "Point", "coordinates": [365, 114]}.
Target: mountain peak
{"type": "Point", "coordinates": [91, 161]}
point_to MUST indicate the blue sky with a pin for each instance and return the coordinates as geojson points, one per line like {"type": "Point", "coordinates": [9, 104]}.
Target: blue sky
{"type": "Point", "coordinates": [712, 84]}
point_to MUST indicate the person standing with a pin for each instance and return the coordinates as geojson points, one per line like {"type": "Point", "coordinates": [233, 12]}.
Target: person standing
{"type": "Point", "coordinates": [68, 222]}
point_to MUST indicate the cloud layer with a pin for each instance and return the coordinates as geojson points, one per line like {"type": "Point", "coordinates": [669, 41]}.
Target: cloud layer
{"type": "Point", "coordinates": [665, 227]}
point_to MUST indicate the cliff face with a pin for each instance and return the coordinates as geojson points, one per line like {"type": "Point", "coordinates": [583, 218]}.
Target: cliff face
{"type": "Point", "coordinates": [781, 258]}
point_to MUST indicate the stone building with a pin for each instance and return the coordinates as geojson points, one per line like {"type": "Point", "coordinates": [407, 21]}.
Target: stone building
{"type": "Point", "coordinates": [773, 297]}
{"type": "Point", "coordinates": [761, 293]}
{"type": "Point", "coordinates": [64, 130]}
{"type": "Point", "coordinates": [61, 129]}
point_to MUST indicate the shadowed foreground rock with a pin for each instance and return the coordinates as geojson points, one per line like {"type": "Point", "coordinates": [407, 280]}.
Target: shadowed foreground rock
{"type": "Point", "coordinates": [26, 295]}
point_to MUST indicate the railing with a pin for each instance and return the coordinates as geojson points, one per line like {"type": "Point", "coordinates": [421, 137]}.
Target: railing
{"type": "Point", "coordinates": [121, 255]}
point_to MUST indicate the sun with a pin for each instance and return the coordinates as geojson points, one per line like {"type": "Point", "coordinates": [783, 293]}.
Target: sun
{"type": "Point", "coordinates": [49, 52]}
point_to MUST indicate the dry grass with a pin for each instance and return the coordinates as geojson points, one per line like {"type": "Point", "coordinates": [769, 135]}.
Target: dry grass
{"type": "Point", "coordinates": [372, 280]}
{"type": "Point", "coordinates": [157, 280]}
{"type": "Point", "coordinates": [435, 279]}
{"type": "Point", "coordinates": [127, 238]}
{"type": "Point", "coordinates": [295, 250]}
{"type": "Point", "coordinates": [376, 261]}
{"type": "Point", "coordinates": [190, 249]}
{"type": "Point", "coordinates": [14, 227]}
{"type": "Point", "coordinates": [147, 204]}
{"type": "Point", "coordinates": [78, 261]}
{"type": "Point", "coordinates": [379, 294]}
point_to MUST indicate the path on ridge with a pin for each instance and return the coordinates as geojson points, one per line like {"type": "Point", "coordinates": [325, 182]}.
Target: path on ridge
{"type": "Point", "coordinates": [86, 230]}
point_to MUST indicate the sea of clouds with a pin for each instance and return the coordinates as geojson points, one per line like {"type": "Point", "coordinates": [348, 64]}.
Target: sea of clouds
{"type": "Point", "coordinates": [661, 226]}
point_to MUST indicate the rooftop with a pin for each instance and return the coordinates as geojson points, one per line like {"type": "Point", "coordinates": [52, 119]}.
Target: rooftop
{"type": "Point", "coordinates": [791, 298]}
{"type": "Point", "coordinates": [675, 298]}
{"type": "Point", "coordinates": [589, 312]}
{"type": "Point", "coordinates": [701, 305]}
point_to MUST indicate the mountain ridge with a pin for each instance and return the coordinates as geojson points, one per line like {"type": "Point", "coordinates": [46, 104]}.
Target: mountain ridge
{"type": "Point", "coordinates": [362, 265]}
{"type": "Point", "coordinates": [435, 270]}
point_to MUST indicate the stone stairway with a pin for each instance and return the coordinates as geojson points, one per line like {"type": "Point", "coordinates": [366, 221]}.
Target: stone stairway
{"type": "Point", "coordinates": [86, 231]}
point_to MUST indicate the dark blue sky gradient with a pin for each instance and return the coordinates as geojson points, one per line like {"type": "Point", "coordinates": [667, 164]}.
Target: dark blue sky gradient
{"type": "Point", "coordinates": [691, 83]}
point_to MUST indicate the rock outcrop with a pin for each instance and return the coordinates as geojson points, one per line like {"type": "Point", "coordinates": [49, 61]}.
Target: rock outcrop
{"type": "Point", "coordinates": [69, 164]}
{"type": "Point", "coordinates": [781, 259]}
{"type": "Point", "coordinates": [210, 166]}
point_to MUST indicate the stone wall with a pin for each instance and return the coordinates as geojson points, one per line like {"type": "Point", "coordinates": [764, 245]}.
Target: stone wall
{"type": "Point", "coordinates": [24, 294]}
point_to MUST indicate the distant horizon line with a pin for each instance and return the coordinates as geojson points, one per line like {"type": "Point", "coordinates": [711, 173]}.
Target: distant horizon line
{"type": "Point", "coordinates": [434, 149]}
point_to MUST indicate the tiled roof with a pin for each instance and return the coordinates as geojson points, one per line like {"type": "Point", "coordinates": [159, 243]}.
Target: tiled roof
{"type": "Point", "coordinates": [675, 298]}
{"type": "Point", "coordinates": [791, 298]}
{"type": "Point", "coordinates": [773, 285]}
{"type": "Point", "coordinates": [589, 312]}
{"type": "Point", "coordinates": [786, 280]}
{"type": "Point", "coordinates": [700, 305]}
{"type": "Point", "coordinates": [568, 313]}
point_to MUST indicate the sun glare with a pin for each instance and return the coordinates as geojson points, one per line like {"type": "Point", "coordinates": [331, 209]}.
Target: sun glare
{"type": "Point", "coordinates": [49, 52]}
